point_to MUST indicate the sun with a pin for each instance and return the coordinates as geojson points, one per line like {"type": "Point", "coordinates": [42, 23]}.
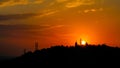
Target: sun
{"type": "Point", "coordinates": [83, 42]}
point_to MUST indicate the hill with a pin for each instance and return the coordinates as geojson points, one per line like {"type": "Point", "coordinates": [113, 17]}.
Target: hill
{"type": "Point", "coordinates": [59, 56]}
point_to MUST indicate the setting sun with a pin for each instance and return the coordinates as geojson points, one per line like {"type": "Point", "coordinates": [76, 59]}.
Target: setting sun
{"type": "Point", "coordinates": [83, 42]}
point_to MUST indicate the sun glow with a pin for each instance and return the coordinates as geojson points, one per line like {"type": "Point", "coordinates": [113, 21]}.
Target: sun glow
{"type": "Point", "coordinates": [83, 42]}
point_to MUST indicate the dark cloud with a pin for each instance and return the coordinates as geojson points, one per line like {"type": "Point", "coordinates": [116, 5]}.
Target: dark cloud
{"type": "Point", "coordinates": [4, 1]}
{"type": "Point", "coordinates": [16, 16]}
{"type": "Point", "coordinates": [21, 31]}
{"type": "Point", "coordinates": [17, 30]}
{"type": "Point", "coordinates": [111, 3]}
{"type": "Point", "coordinates": [22, 27]}
{"type": "Point", "coordinates": [11, 27]}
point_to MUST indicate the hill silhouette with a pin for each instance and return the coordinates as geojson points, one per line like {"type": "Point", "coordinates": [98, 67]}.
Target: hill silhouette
{"type": "Point", "coordinates": [60, 56]}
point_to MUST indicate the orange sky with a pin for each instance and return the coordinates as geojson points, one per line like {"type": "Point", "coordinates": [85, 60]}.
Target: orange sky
{"type": "Point", "coordinates": [57, 22]}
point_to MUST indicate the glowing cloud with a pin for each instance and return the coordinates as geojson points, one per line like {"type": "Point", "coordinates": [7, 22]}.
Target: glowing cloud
{"type": "Point", "coordinates": [77, 3]}
{"type": "Point", "coordinates": [13, 2]}
{"type": "Point", "coordinates": [92, 10]}
{"type": "Point", "coordinates": [46, 13]}
{"type": "Point", "coordinates": [19, 2]}
{"type": "Point", "coordinates": [60, 1]}
{"type": "Point", "coordinates": [38, 1]}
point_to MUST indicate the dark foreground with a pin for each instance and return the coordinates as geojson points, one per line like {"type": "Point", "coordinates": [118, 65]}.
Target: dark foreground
{"type": "Point", "coordinates": [61, 56]}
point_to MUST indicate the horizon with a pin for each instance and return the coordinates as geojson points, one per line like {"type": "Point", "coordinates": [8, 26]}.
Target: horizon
{"type": "Point", "coordinates": [57, 22]}
{"type": "Point", "coordinates": [36, 48]}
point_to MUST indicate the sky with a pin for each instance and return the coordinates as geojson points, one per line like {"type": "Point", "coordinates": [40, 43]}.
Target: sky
{"type": "Point", "coordinates": [57, 22]}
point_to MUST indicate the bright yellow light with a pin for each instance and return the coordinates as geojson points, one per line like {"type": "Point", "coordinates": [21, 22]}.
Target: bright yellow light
{"type": "Point", "coordinates": [83, 42]}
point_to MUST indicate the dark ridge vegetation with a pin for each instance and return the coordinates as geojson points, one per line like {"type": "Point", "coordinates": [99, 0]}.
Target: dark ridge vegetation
{"type": "Point", "coordinates": [60, 56]}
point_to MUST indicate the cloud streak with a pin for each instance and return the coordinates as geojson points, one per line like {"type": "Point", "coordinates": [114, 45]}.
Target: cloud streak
{"type": "Point", "coordinates": [61, 1]}
{"type": "Point", "coordinates": [16, 16]}
{"type": "Point", "coordinates": [77, 3]}
{"type": "Point", "coordinates": [4, 3]}
{"type": "Point", "coordinates": [26, 16]}
{"type": "Point", "coordinates": [13, 31]}
{"type": "Point", "coordinates": [92, 10]}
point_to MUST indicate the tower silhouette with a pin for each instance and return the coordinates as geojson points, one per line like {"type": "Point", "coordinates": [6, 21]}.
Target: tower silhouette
{"type": "Point", "coordinates": [36, 46]}
{"type": "Point", "coordinates": [76, 44]}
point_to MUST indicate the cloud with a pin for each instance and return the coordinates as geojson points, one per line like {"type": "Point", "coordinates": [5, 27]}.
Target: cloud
{"type": "Point", "coordinates": [27, 15]}
{"type": "Point", "coordinates": [13, 31]}
{"type": "Point", "coordinates": [4, 3]}
{"type": "Point", "coordinates": [54, 27]}
{"type": "Point", "coordinates": [38, 2]}
{"type": "Point", "coordinates": [56, 5]}
{"type": "Point", "coordinates": [61, 1]}
{"type": "Point", "coordinates": [18, 27]}
{"type": "Point", "coordinates": [10, 31]}
{"type": "Point", "coordinates": [92, 10]}
{"type": "Point", "coordinates": [16, 16]}
{"type": "Point", "coordinates": [13, 2]}
{"type": "Point", "coordinates": [47, 13]}
{"type": "Point", "coordinates": [111, 2]}
{"type": "Point", "coordinates": [77, 3]}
